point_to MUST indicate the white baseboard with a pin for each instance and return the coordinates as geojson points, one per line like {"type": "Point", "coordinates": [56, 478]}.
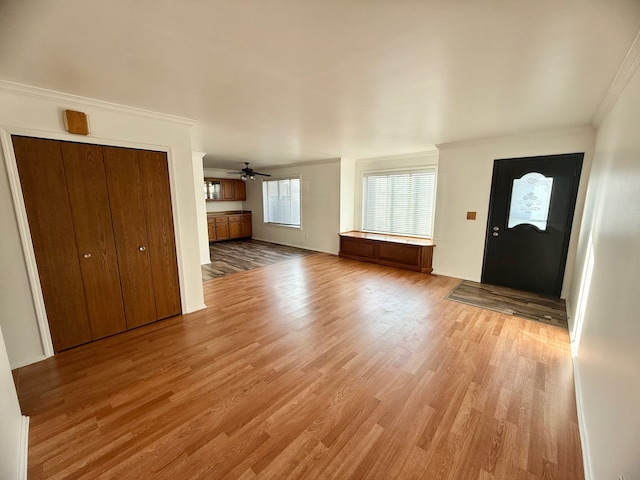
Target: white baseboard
{"type": "Point", "coordinates": [304, 247]}
{"type": "Point", "coordinates": [24, 448]}
{"type": "Point", "coordinates": [586, 458]}
{"type": "Point", "coordinates": [202, 306]}
{"type": "Point", "coordinates": [29, 361]}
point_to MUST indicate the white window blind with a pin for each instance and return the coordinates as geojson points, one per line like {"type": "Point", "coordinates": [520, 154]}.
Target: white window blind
{"type": "Point", "coordinates": [281, 201]}
{"type": "Point", "coordinates": [400, 203]}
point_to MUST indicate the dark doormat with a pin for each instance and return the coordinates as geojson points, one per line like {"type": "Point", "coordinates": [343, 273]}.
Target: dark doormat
{"type": "Point", "coordinates": [532, 306]}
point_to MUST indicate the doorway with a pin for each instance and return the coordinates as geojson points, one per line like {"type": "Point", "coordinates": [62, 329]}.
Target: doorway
{"type": "Point", "coordinates": [529, 224]}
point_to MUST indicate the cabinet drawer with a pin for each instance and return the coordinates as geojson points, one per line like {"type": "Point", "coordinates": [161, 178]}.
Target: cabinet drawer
{"type": "Point", "coordinates": [221, 219]}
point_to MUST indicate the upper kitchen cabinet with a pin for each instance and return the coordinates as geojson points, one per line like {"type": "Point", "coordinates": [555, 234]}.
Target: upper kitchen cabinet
{"type": "Point", "coordinates": [224, 189]}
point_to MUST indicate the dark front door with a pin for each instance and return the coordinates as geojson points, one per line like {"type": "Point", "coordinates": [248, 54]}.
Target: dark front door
{"type": "Point", "coordinates": [530, 215]}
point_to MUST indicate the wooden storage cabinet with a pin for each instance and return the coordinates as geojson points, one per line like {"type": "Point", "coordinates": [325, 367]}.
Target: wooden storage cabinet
{"type": "Point", "coordinates": [102, 231]}
{"type": "Point", "coordinates": [395, 251]}
{"type": "Point", "coordinates": [224, 189]}
{"type": "Point", "coordinates": [229, 225]}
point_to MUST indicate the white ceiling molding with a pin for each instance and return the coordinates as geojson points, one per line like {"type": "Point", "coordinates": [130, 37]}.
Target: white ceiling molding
{"type": "Point", "coordinates": [401, 156]}
{"type": "Point", "coordinates": [324, 161]}
{"type": "Point", "coordinates": [626, 70]}
{"type": "Point", "coordinates": [516, 137]}
{"type": "Point", "coordinates": [69, 100]}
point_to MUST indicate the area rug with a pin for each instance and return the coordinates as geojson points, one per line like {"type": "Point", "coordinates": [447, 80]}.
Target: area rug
{"type": "Point", "coordinates": [532, 306]}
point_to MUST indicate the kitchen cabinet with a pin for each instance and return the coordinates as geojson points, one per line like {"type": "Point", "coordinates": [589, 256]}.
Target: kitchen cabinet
{"type": "Point", "coordinates": [229, 225]}
{"type": "Point", "coordinates": [224, 189]}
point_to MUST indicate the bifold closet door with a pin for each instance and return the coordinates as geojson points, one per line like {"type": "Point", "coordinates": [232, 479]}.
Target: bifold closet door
{"type": "Point", "coordinates": [129, 228]}
{"type": "Point", "coordinates": [66, 198]}
{"type": "Point", "coordinates": [46, 200]}
{"type": "Point", "coordinates": [91, 213]}
{"type": "Point", "coordinates": [156, 194]}
{"type": "Point", "coordinates": [102, 230]}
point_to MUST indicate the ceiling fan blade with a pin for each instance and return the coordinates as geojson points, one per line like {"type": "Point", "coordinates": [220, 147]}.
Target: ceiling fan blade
{"type": "Point", "coordinates": [235, 173]}
{"type": "Point", "coordinates": [263, 174]}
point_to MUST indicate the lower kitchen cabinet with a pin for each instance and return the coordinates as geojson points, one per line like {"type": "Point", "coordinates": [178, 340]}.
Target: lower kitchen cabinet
{"type": "Point", "coordinates": [229, 225]}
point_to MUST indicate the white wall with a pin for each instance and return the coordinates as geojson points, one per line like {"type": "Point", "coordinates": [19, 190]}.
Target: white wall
{"type": "Point", "coordinates": [221, 206]}
{"type": "Point", "coordinates": [320, 208]}
{"type": "Point", "coordinates": [36, 112]}
{"type": "Point", "coordinates": [413, 160]}
{"type": "Point", "coordinates": [347, 194]}
{"type": "Point", "coordinates": [13, 439]}
{"type": "Point", "coordinates": [201, 208]}
{"type": "Point", "coordinates": [465, 170]}
{"type": "Point", "coordinates": [605, 297]}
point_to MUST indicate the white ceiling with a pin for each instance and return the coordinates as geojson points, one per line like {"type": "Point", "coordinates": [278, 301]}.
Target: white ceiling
{"type": "Point", "coordinates": [283, 81]}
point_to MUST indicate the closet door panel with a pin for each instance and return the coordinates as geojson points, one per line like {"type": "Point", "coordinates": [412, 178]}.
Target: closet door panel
{"type": "Point", "coordinates": [89, 200]}
{"type": "Point", "coordinates": [127, 214]}
{"type": "Point", "coordinates": [156, 192]}
{"type": "Point", "coordinates": [44, 187]}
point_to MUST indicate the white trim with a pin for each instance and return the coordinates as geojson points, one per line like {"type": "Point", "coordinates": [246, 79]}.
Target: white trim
{"type": "Point", "coordinates": [195, 309]}
{"type": "Point", "coordinates": [400, 156]}
{"type": "Point", "coordinates": [517, 137]}
{"type": "Point", "coordinates": [28, 361]}
{"type": "Point", "coordinates": [24, 448]}
{"type": "Point", "coordinates": [624, 74]}
{"type": "Point", "coordinates": [27, 244]}
{"type": "Point", "coordinates": [294, 245]}
{"type": "Point", "coordinates": [324, 161]}
{"type": "Point", "coordinates": [586, 457]}
{"type": "Point", "coordinates": [23, 223]}
{"type": "Point", "coordinates": [390, 171]}
{"type": "Point", "coordinates": [69, 99]}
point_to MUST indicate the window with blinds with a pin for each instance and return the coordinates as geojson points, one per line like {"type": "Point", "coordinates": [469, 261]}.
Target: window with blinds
{"type": "Point", "coordinates": [399, 203]}
{"type": "Point", "coordinates": [281, 201]}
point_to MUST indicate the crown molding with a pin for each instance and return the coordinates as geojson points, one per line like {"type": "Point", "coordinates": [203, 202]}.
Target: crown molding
{"type": "Point", "coordinates": [309, 163]}
{"type": "Point", "coordinates": [625, 72]}
{"type": "Point", "coordinates": [517, 137]}
{"type": "Point", "coordinates": [76, 100]}
{"type": "Point", "coordinates": [400, 156]}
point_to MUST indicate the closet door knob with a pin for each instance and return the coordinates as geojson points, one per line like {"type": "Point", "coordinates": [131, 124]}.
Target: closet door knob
{"type": "Point", "coordinates": [142, 248]}
{"type": "Point", "coordinates": [86, 255]}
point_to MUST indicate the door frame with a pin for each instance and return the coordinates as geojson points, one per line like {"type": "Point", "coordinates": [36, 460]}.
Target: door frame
{"type": "Point", "coordinates": [570, 218]}
{"type": "Point", "coordinates": [15, 188]}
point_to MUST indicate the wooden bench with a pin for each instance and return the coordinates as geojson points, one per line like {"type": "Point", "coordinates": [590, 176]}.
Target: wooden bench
{"type": "Point", "coordinates": [409, 253]}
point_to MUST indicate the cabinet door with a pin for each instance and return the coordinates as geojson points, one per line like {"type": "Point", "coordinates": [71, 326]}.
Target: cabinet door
{"type": "Point", "coordinates": [222, 231]}
{"type": "Point", "coordinates": [235, 229]}
{"type": "Point", "coordinates": [156, 195]}
{"type": "Point", "coordinates": [213, 188]}
{"type": "Point", "coordinates": [89, 200]}
{"type": "Point", "coordinates": [246, 226]}
{"type": "Point", "coordinates": [44, 188]}
{"type": "Point", "coordinates": [228, 190]}
{"type": "Point", "coordinates": [240, 190]}
{"type": "Point", "coordinates": [127, 213]}
{"type": "Point", "coordinates": [211, 227]}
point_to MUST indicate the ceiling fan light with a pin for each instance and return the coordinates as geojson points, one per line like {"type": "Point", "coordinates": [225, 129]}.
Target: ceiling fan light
{"type": "Point", "coordinates": [244, 178]}
{"type": "Point", "coordinates": [252, 177]}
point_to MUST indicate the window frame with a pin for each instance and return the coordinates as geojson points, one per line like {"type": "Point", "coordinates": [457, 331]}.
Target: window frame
{"type": "Point", "coordinates": [264, 186]}
{"type": "Point", "coordinates": [396, 171]}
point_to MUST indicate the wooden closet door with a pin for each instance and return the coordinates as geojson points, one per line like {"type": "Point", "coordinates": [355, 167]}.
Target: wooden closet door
{"type": "Point", "coordinates": [129, 228]}
{"type": "Point", "coordinates": [156, 193]}
{"type": "Point", "coordinates": [44, 187]}
{"type": "Point", "coordinates": [89, 200]}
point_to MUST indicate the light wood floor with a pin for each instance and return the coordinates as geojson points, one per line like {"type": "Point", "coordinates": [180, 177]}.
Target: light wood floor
{"type": "Point", "coordinates": [312, 368]}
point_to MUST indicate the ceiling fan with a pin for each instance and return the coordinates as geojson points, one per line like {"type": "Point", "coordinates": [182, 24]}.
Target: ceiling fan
{"type": "Point", "coordinates": [249, 173]}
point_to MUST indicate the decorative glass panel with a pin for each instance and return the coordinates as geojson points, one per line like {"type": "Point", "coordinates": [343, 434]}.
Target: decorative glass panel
{"type": "Point", "coordinates": [530, 198]}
